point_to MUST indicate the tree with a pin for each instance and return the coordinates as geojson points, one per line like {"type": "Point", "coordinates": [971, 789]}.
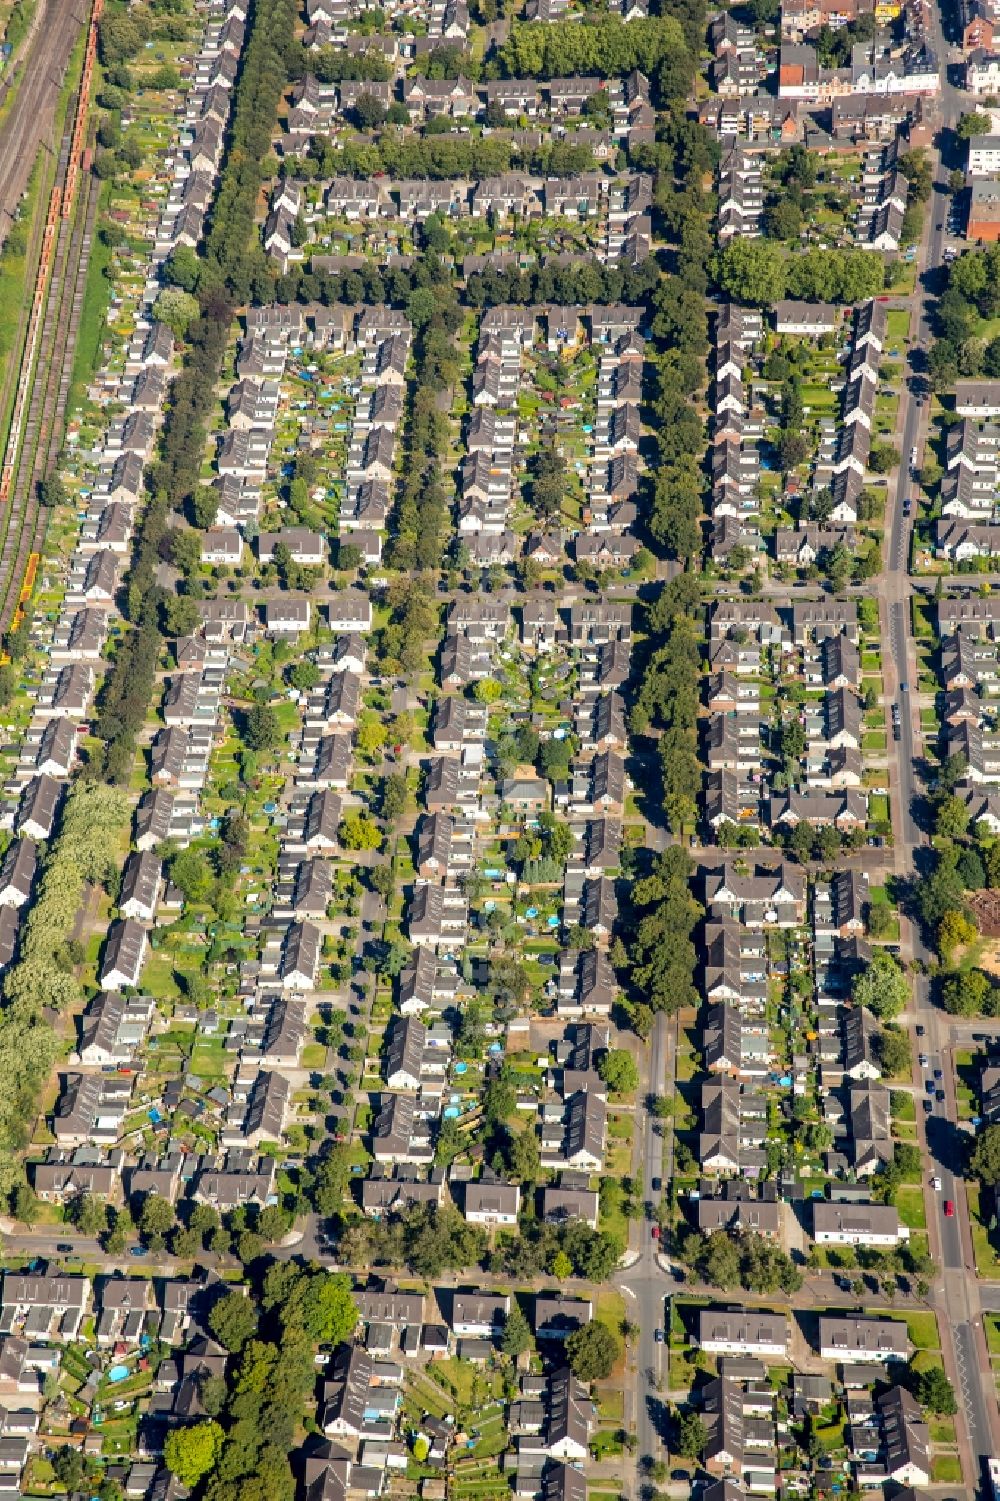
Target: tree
{"type": "Point", "coordinates": [894, 1052]}
{"type": "Point", "coordinates": [619, 1071]}
{"type": "Point", "coordinates": [213, 1393]}
{"type": "Point", "coordinates": [359, 832]}
{"type": "Point", "coordinates": [192, 874]}
{"type": "Point", "coordinates": [177, 309]}
{"type": "Point", "coordinates": [782, 220]}
{"type": "Point", "coordinates": [232, 1320]}
{"type": "Point", "coordinates": [370, 735]}
{"type": "Point", "coordinates": [718, 1260]}
{"type": "Point", "coordinates": [882, 987]}
{"type": "Point", "coordinates": [24, 1204]}
{"type": "Point", "coordinates": [951, 817]}
{"type": "Point", "coordinates": [304, 676]}
{"type": "Point", "coordinates": [691, 1436]}
{"type": "Point", "coordinates": [592, 1351]}
{"type": "Point", "coordinates": [882, 458]}
{"type": "Point", "coordinates": [369, 112]}
{"type": "Point", "coordinates": [516, 1336]}
{"type": "Point", "coordinates": [751, 271]}
{"type": "Point", "coordinates": [955, 930]}
{"type": "Point", "coordinates": [879, 919]}
{"type": "Point", "coordinates": [119, 38]}
{"type": "Point", "coordinates": [192, 1451]}
{"type": "Point", "coordinates": [180, 615]}
{"type": "Point", "coordinates": [157, 1216]}
{"type": "Point", "coordinates": [523, 1156]}
{"type": "Point", "coordinates": [262, 729]}
{"type": "Point", "coordinates": [985, 1159]}
{"type": "Point", "coordinates": [67, 1466]}
{"type": "Point", "coordinates": [51, 491]}
{"type": "Point", "coordinates": [969, 994]}
{"type": "Point", "coordinates": [329, 1313]}
{"type": "Point", "coordinates": [392, 797]}
{"type": "Point", "coordinates": [974, 123]}
{"type": "Point", "coordinates": [90, 1215]}
{"type": "Point", "coordinates": [936, 1393]}
{"type": "Point", "coordinates": [561, 1267]}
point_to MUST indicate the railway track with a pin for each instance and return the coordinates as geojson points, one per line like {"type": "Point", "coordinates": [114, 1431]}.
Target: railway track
{"type": "Point", "coordinates": [44, 418]}
{"type": "Point", "coordinates": [29, 122]}
{"type": "Point", "coordinates": [39, 415]}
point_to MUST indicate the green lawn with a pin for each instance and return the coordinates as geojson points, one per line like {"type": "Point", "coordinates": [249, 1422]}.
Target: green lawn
{"type": "Point", "coordinates": [898, 324]}
{"type": "Point", "coordinates": [991, 1323]}
{"type": "Point", "coordinates": [946, 1469]}
{"type": "Point", "coordinates": [910, 1203]}
{"type": "Point", "coordinates": [923, 1330]}
{"type": "Point", "coordinates": [907, 1110]}
{"type": "Point", "coordinates": [987, 1261]}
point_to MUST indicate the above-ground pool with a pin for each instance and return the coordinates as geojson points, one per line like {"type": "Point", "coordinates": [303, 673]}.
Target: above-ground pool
{"type": "Point", "coordinates": [118, 1373]}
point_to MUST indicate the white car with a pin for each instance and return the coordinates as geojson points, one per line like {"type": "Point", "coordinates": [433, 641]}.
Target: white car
{"type": "Point", "coordinates": [936, 1184]}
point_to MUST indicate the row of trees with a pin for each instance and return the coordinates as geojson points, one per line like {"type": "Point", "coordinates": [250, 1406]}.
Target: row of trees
{"type": "Point", "coordinates": [972, 292]}
{"type": "Point", "coordinates": [224, 272]}
{"type": "Point", "coordinates": [268, 1388]}
{"type": "Point", "coordinates": [436, 154]}
{"type": "Point", "coordinates": [758, 273]}
{"type": "Point", "coordinates": [605, 45]}
{"type": "Point", "coordinates": [748, 1261]}
{"type": "Point", "coordinates": [234, 251]}
{"type": "Point", "coordinates": [668, 695]}
{"type": "Point", "coordinates": [85, 850]}
{"type": "Point", "coordinates": [663, 956]}
{"type": "Point", "coordinates": [586, 280]}
{"type": "Point", "coordinates": [151, 611]}
{"type": "Point", "coordinates": [422, 517]}
{"type": "Point", "coordinates": [680, 329]}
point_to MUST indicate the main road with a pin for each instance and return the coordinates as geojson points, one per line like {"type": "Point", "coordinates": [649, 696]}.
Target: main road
{"type": "Point", "coordinates": [957, 1294]}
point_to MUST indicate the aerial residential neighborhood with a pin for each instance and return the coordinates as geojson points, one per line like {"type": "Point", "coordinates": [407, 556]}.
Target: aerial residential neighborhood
{"type": "Point", "coordinates": [500, 782]}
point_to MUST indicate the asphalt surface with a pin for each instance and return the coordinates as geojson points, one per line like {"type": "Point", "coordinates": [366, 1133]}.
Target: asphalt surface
{"type": "Point", "coordinates": [957, 1292]}
{"type": "Point", "coordinates": [644, 1283]}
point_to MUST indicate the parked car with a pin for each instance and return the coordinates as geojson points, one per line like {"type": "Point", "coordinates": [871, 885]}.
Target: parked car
{"type": "Point", "coordinates": [949, 1209]}
{"type": "Point", "coordinates": [936, 1184]}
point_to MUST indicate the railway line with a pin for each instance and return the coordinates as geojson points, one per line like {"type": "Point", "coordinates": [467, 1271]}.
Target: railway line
{"type": "Point", "coordinates": [24, 519]}
{"type": "Point", "coordinates": [27, 126]}
{"type": "Point", "coordinates": [46, 366]}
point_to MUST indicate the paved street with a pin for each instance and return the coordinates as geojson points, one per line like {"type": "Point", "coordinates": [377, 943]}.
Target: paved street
{"type": "Point", "coordinates": [956, 1293]}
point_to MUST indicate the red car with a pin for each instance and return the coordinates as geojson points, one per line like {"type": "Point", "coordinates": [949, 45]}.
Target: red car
{"type": "Point", "coordinates": [949, 1209]}
{"type": "Point", "coordinates": [656, 1232]}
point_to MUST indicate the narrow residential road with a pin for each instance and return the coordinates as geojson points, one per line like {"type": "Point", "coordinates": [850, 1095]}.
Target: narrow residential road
{"type": "Point", "coordinates": [643, 1282]}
